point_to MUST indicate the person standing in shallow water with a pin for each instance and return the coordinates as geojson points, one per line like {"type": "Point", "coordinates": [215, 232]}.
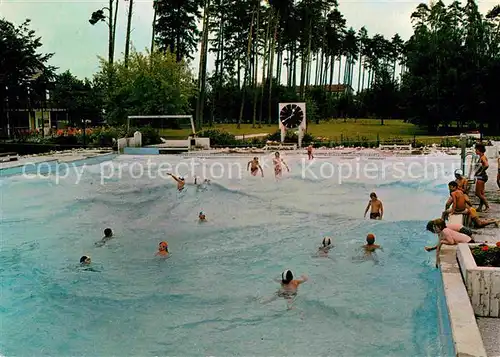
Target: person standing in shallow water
{"type": "Point", "coordinates": [377, 209]}
{"type": "Point", "coordinates": [310, 152]}
{"type": "Point", "coordinates": [277, 161]}
{"type": "Point", "coordinates": [481, 178]}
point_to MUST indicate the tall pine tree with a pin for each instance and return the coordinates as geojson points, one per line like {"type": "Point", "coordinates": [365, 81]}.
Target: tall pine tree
{"type": "Point", "coordinates": [176, 27]}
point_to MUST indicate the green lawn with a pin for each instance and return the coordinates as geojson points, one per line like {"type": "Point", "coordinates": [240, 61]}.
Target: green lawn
{"type": "Point", "coordinates": [359, 129]}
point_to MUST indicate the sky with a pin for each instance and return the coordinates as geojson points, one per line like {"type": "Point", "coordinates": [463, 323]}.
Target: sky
{"type": "Point", "coordinates": [65, 31]}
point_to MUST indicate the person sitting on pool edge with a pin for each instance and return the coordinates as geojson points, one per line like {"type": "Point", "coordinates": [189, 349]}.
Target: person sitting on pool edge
{"type": "Point", "coordinates": [202, 217]}
{"type": "Point", "coordinates": [457, 200]}
{"type": "Point", "coordinates": [457, 227]}
{"type": "Point", "coordinates": [377, 209]}
{"type": "Point", "coordinates": [325, 247]}
{"type": "Point", "coordinates": [446, 236]}
{"type": "Point", "coordinates": [108, 234]}
{"type": "Point", "coordinates": [180, 181]}
{"type": "Point", "coordinates": [370, 245]}
{"type": "Point", "coordinates": [162, 249]}
{"type": "Point", "coordinates": [462, 182]}
{"type": "Point", "coordinates": [254, 166]}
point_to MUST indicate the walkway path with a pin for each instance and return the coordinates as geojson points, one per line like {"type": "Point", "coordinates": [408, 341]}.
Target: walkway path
{"type": "Point", "coordinates": [249, 136]}
{"type": "Point", "coordinates": [489, 326]}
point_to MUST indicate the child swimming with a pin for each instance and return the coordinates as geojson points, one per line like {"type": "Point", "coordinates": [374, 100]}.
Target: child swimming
{"type": "Point", "coordinates": [370, 245]}
{"type": "Point", "coordinates": [162, 249]}
{"type": "Point", "coordinates": [202, 217]}
{"type": "Point", "coordinates": [180, 181]}
{"type": "Point", "coordinates": [325, 247]}
{"type": "Point", "coordinates": [108, 234]}
{"type": "Point", "coordinates": [290, 286]}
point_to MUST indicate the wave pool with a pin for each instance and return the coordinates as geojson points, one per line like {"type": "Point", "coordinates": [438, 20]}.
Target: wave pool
{"type": "Point", "coordinates": [207, 298]}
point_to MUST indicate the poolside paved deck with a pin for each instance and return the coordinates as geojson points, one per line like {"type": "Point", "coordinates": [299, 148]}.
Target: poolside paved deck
{"type": "Point", "coordinates": [61, 156]}
{"type": "Point", "coordinates": [490, 327]}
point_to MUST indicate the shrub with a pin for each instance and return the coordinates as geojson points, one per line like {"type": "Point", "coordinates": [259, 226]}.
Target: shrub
{"type": "Point", "coordinates": [219, 137]}
{"type": "Point", "coordinates": [486, 256]}
{"type": "Point", "coordinates": [291, 137]}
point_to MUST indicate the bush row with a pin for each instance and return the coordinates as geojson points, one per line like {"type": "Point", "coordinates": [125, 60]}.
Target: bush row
{"type": "Point", "coordinates": [221, 138]}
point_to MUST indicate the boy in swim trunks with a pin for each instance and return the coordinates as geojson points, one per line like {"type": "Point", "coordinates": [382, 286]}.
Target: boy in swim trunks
{"type": "Point", "coordinates": [458, 202]}
{"type": "Point", "coordinates": [377, 209]}
{"type": "Point", "coordinates": [255, 166]}
{"type": "Point", "coordinates": [162, 249]}
{"type": "Point", "coordinates": [446, 236]}
{"type": "Point", "coordinates": [180, 181]}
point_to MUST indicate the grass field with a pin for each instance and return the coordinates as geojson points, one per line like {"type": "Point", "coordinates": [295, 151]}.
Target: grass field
{"type": "Point", "coordinates": [366, 129]}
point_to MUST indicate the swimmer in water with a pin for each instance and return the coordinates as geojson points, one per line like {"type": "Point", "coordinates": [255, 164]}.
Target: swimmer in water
{"type": "Point", "coordinates": [254, 166]}
{"type": "Point", "coordinates": [202, 217]}
{"type": "Point", "coordinates": [377, 209]}
{"type": "Point", "coordinates": [85, 260]}
{"type": "Point", "coordinates": [310, 152]}
{"type": "Point", "coordinates": [180, 181]}
{"type": "Point", "coordinates": [277, 161]}
{"type": "Point", "coordinates": [370, 245]}
{"type": "Point", "coordinates": [289, 286]}
{"type": "Point", "coordinates": [85, 263]}
{"type": "Point", "coordinates": [162, 249]}
{"type": "Point", "coordinates": [325, 247]}
{"type": "Point", "coordinates": [108, 234]}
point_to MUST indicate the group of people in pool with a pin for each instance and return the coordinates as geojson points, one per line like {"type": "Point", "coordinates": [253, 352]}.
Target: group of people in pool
{"type": "Point", "coordinates": [459, 203]}
{"type": "Point", "coordinates": [289, 286]}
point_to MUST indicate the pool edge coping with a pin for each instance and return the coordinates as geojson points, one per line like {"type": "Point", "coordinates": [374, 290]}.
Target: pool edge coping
{"type": "Point", "coordinates": [467, 338]}
{"type": "Point", "coordinates": [59, 160]}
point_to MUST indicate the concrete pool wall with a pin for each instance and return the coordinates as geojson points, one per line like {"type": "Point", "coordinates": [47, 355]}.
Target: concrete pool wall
{"type": "Point", "coordinates": [465, 331]}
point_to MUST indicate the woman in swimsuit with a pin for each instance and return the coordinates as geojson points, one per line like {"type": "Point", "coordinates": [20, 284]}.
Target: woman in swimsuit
{"type": "Point", "coordinates": [481, 177]}
{"type": "Point", "coordinates": [277, 161]}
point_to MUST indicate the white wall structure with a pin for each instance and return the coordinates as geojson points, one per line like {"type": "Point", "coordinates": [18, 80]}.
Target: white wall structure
{"type": "Point", "coordinates": [483, 283]}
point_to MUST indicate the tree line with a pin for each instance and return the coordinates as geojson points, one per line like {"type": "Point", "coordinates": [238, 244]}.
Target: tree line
{"type": "Point", "coordinates": [446, 74]}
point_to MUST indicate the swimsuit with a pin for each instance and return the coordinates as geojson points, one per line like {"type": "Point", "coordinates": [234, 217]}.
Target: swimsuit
{"type": "Point", "coordinates": [466, 231]}
{"type": "Point", "coordinates": [483, 176]}
{"type": "Point", "coordinates": [374, 215]}
{"type": "Point", "coordinates": [287, 294]}
{"type": "Point", "coordinates": [254, 170]}
{"type": "Point", "coordinates": [277, 167]}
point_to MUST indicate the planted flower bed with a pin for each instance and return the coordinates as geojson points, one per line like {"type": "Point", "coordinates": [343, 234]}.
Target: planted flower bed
{"type": "Point", "coordinates": [480, 267]}
{"type": "Point", "coordinates": [486, 256]}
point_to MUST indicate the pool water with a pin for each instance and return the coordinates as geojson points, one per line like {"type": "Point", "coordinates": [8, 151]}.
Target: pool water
{"type": "Point", "coordinates": [207, 298]}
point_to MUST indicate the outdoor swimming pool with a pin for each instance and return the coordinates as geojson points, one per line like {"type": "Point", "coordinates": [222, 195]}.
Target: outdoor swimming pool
{"type": "Point", "coordinates": [206, 299]}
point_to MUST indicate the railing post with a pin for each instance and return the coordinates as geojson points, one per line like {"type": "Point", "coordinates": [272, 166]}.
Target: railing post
{"type": "Point", "coordinates": [463, 143]}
